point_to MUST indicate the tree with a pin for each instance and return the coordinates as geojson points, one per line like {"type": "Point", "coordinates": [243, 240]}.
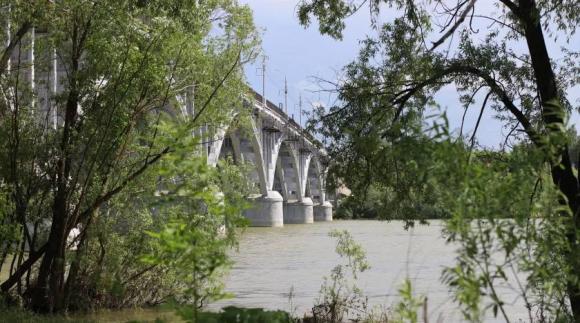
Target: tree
{"type": "Point", "coordinates": [339, 297]}
{"type": "Point", "coordinates": [123, 67]}
{"type": "Point", "coordinates": [477, 47]}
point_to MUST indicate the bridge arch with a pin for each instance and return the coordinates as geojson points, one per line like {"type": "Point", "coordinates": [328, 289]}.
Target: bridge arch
{"type": "Point", "coordinates": [287, 179]}
{"type": "Point", "coordinates": [287, 170]}
{"type": "Point", "coordinates": [313, 181]}
{"type": "Point", "coordinates": [242, 147]}
{"type": "Point", "coordinates": [317, 179]}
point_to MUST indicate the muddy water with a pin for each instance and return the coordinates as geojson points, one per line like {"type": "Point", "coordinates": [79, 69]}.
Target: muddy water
{"type": "Point", "coordinates": [271, 262]}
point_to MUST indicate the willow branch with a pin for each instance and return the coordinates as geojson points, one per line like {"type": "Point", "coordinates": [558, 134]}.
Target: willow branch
{"type": "Point", "coordinates": [457, 68]}
{"type": "Point", "coordinates": [217, 88]}
{"type": "Point", "coordinates": [478, 121]}
{"type": "Point", "coordinates": [455, 26]}
{"type": "Point", "coordinates": [24, 28]}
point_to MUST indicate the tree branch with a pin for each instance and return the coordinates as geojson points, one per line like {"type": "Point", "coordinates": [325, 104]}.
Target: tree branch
{"type": "Point", "coordinates": [26, 26]}
{"type": "Point", "coordinates": [455, 26]}
{"type": "Point", "coordinates": [107, 196]}
{"type": "Point", "coordinates": [216, 89]}
{"type": "Point", "coordinates": [478, 121]}
{"type": "Point", "coordinates": [23, 268]}
{"type": "Point", "coordinates": [512, 6]}
{"type": "Point", "coordinates": [457, 68]}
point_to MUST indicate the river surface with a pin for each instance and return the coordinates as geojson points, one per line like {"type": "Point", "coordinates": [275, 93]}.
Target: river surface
{"type": "Point", "coordinates": [273, 261]}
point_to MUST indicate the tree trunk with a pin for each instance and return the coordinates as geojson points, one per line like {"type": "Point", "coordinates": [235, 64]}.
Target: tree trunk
{"type": "Point", "coordinates": [553, 117]}
{"type": "Point", "coordinates": [22, 269]}
{"type": "Point", "coordinates": [9, 49]}
{"type": "Point", "coordinates": [48, 291]}
{"type": "Point", "coordinates": [49, 294]}
{"type": "Point", "coordinates": [71, 281]}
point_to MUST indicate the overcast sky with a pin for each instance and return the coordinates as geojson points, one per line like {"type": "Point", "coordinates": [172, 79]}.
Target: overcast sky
{"type": "Point", "coordinates": [302, 55]}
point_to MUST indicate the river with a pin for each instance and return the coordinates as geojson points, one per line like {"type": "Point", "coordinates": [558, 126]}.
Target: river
{"type": "Point", "coordinates": [273, 261]}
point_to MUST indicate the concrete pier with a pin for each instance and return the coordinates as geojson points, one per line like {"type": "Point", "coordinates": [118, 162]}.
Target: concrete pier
{"type": "Point", "coordinates": [267, 211]}
{"type": "Point", "coordinates": [323, 212]}
{"type": "Point", "coordinates": [299, 212]}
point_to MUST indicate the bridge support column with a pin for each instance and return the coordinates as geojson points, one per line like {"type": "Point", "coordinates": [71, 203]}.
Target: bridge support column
{"type": "Point", "coordinates": [267, 211]}
{"type": "Point", "coordinates": [323, 212]}
{"type": "Point", "coordinates": [299, 212]}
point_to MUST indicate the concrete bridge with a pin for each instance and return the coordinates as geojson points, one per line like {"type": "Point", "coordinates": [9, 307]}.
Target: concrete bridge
{"type": "Point", "coordinates": [288, 166]}
{"type": "Point", "coordinates": [287, 160]}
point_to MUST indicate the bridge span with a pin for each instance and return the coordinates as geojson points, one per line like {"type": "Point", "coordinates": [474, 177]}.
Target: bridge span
{"type": "Point", "coordinates": [288, 172]}
{"type": "Point", "coordinates": [289, 166]}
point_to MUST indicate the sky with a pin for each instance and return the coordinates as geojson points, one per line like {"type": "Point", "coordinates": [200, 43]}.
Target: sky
{"type": "Point", "coordinates": [302, 55]}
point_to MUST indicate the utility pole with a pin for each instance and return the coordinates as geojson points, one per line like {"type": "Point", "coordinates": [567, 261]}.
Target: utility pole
{"type": "Point", "coordinates": [300, 106]}
{"type": "Point", "coordinates": [264, 80]}
{"type": "Point", "coordinates": [285, 96]}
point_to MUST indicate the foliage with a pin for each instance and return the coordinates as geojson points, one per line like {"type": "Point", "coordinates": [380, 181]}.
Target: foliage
{"type": "Point", "coordinates": [233, 314]}
{"type": "Point", "coordinates": [379, 202]}
{"type": "Point", "coordinates": [21, 316]}
{"type": "Point", "coordinates": [506, 241]}
{"type": "Point", "coordinates": [199, 224]}
{"type": "Point", "coordinates": [340, 298]}
{"type": "Point", "coordinates": [515, 212]}
{"type": "Point", "coordinates": [228, 314]}
{"type": "Point", "coordinates": [407, 309]}
{"type": "Point", "coordinates": [167, 237]}
{"type": "Point", "coordinates": [136, 79]}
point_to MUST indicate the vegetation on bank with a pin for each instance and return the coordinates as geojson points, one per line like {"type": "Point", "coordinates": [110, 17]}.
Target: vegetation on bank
{"type": "Point", "coordinates": [227, 315]}
{"type": "Point", "coordinates": [106, 200]}
{"type": "Point", "coordinates": [21, 316]}
{"type": "Point", "coordinates": [339, 300]}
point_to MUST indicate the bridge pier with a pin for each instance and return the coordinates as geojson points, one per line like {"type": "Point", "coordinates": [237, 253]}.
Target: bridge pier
{"type": "Point", "coordinates": [267, 211]}
{"type": "Point", "coordinates": [323, 212]}
{"type": "Point", "coordinates": [299, 212]}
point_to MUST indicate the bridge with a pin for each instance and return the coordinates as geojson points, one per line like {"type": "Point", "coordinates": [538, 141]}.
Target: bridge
{"type": "Point", "coordinates": [289, 166]}
{"type": "Point", "coordinates": [288, 161]}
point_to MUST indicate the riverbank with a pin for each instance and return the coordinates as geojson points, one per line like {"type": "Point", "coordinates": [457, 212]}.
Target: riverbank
{"type": "Point", "coordinates": [156, 315]}
{"type": "Point", "coordinates": [22, 316]}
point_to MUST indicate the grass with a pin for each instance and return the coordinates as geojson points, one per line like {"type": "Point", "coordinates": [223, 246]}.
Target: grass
{"type": "Point", "coordinates": [184, 313]}
{"type": "Point", "coordinates": [20, 316]}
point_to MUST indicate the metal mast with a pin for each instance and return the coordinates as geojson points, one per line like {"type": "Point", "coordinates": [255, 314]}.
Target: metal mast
{"type": "Point", "coordinates": [286, 96]}
{"type": "Point", "coordinates": [300, 116]}
{"type": "Point", "coordinates": [264, 80]}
